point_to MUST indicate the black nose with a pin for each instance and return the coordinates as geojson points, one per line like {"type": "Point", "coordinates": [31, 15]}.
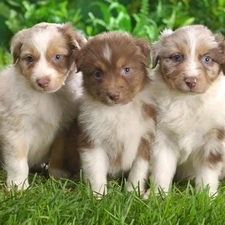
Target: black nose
{"type": "Point", "coordinates": [191, 82]}
{"type": "Point", "coordinates": [114, 95]}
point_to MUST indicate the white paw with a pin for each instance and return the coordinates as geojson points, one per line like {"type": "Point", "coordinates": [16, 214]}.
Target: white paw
{"type": "Point", "coordinates": [21, 184]}
{"type": "Point", "coordinates": [146, 194]}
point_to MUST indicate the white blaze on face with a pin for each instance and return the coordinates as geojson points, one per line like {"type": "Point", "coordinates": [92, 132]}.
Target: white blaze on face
{"type": "Point", "coordinates": [107, 53]}
{"type": "Point", "coordinates": [192, 55]}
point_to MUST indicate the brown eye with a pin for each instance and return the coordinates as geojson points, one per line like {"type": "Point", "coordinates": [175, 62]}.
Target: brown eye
{"type": "Point", "coordinates": [177, 58]}
{"type": "Point", "coordinates": [98, 74]}
{"type": "Point", "coordinates": [29, 59]}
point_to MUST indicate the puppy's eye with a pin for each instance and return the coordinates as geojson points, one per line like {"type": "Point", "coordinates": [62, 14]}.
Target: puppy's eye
{"type": "Point", "coordinates": [177, 58]}
{"type": "Point", "coordinates": [57, 57]}
{"type": "Point", "coordinates": [206, 59]}
{"type": "Point", "coordinates": [29, 58]}
{"type": "Point", "coordinates": [126, 70]}
{"type": "Point", "coordinates": [98, 74]}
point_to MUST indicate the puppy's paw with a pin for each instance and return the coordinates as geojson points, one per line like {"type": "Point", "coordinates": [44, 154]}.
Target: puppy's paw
{"type": "Point", "coordinates": [138, 188]}
{"type": "Point", "coordinates": [146, 194]}
{"type": "Point", "coordinates": [59, 173]}
{"type": "Point", "coordinates": [20, 184]}
{"type": "Point", "coordinates": [129, 187]}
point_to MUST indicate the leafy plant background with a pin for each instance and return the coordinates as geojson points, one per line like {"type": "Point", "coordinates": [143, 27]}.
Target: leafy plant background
{"type": "Point", "coordinates": [143, 18]}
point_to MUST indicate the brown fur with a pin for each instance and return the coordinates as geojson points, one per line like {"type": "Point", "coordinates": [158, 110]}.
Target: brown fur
{"type": "Point", "coordinates": [216, 154]}
{"type": "Point", "coordinates": [149, 111]}
{"type": "Point", "coordinates": [64, 153]}
{"type": "Point", "coordinates": [143, 150]}
{"type": "Point", "coordinates": [113, 79]}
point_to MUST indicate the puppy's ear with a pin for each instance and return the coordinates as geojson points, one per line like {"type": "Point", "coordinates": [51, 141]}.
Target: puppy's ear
{"type": "Point", "coordinates": [144, 46]}
{"type": "Point", "coordinates": [16, 44]}
{"type": "Point", "coordinates": [156, 53]}
{"type": "Point", "coordinates": [75, 40]}
{"type": "Point", "coordinates": [156, 47]}
{"type": "Point", "coordinates": [79, 58]}
{"type": "Point", "coordinates": [220, 39]}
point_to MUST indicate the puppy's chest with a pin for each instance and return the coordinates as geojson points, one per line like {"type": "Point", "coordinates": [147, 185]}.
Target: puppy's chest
{"type": "Point", "coordinates": [34, 112]}
{"type": "Point", "coordinates": [115, 128]}
{"type": "Point", "coordinates": [188, 122]}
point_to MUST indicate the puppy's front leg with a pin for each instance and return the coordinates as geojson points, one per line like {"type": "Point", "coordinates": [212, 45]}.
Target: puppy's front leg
{"type": "Point", "coordinates": [163, 164]}
{"type": "Point", "coordinates": [95, 164]}
{"type": "Point", "coordinates": [15, 163]}
{"type": "Point", "coordinates": [140, 168]}
{"type": "Point", "coordinates": [209, 163]}
{"type": "Point", "coordinates": [208, 176]}
{"type": "Point", "coordinates": [164, 168]}
{"type": "Point", "coordinates": [138, 175]}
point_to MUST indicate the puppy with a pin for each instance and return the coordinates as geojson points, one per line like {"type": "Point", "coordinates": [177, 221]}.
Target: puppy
{"type": "Point", "coordinates": [117, 115]}
{"type": "Point", "coordinates": [190, 89]}
{"type": "Point", "coordinates": [39, 94]}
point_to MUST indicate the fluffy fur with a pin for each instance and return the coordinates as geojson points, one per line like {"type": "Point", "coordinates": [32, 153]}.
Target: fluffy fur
{"type": "Point", "coordinates": [39, 93]}
{"type": "Point", "coordinates": [190, 89]}
{"type": "Point", "coordinates": [117, 115]}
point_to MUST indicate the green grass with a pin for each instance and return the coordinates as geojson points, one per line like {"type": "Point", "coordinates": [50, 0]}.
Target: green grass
{"type": "Point", "coordinates": [48, 201]}
{"type": "Point", "coordinates": [70, 202]}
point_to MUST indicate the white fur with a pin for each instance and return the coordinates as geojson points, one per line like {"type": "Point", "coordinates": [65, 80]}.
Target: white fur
{"type": "Point", "coordinates": [29, 119]}
{"type": "Point", "coordinates": [110, 128]}
{"type": "Point", "coordinates": [183, 120]}
{"type": "Point", "coordinates": [107, 52]}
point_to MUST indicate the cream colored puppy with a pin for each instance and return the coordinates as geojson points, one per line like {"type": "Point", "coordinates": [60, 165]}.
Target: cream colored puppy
{"type": "Point", "coordinates": [190, 90]}
{"type": "Point", "coordinates": [39, 93]}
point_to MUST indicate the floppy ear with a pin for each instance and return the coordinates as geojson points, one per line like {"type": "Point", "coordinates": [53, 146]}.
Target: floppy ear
{"type": "Point", "coordinates": [220, 39]}
{"type": "Point", "coordinates": [76, 41]}
{"type": "Point", "coordinates": [80, 55]}
{"type": "Point", "coordinates": [144, 46]}
{"type": "Point", "coordinates": [156, 53]}
{"type": "Point", "coordinates": [79, 58]}
{"type": "Point", "coordinates": [156, 47]}
{"type": "Point", "coordinates": [16, 44]}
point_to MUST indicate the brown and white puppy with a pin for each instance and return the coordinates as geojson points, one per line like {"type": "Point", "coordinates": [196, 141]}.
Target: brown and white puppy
{"type": "Point", "coordinates": [39, 93]}
{"type": "Point", "coordinates": [190, 89]}
{"type": "Point", "coordinates": [117, 115]}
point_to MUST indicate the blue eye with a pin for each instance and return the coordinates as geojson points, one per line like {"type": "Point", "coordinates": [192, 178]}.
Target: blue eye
{"type": "Point", "coordinates": [177, 58]}
{"type": "Point", "coordinates": [126, 70]}
{"type": "Point", "coordinates": [206, 59]}
{"type": "Point", "coordinates": [98, 74]}
{"type": "Point", "coordinates": [57, 57]}
{"type": "Point", "coordinates": [29, 58]}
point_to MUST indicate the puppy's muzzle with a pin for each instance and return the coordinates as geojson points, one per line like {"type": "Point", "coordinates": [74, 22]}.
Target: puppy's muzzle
{"type": "Point", "coordinates": [190, 82]}
{"type": "Point", "coordinates": [114, 95]}
{"type": "Point", "coordinates": [43, 82]}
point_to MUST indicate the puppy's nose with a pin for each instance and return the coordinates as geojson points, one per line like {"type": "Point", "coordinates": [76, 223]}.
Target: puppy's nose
{"type": "Point", "coordinates": [191, 82]}
{"type": "Point", "coordinates": [43, 82]}
{"type": "Point", "coordinates": [114, 95]}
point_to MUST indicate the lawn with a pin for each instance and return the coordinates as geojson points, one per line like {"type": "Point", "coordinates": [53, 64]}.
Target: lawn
{"type": "Point", "coordinates": [48, 201]}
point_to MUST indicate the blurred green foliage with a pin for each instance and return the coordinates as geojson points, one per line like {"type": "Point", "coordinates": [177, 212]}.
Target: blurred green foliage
{"type": "Point", "coordinates": [139, 17]}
